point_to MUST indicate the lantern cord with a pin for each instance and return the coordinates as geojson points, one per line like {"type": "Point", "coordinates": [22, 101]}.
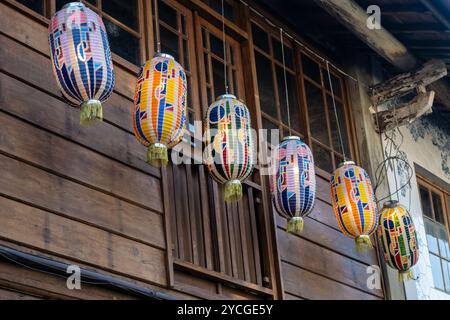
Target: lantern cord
{"type": "Point", "coordinates": [301, 44]}
{"type": "Point", "coordinates": [285, 81]}
{"type": "Point", "coordinates": [341, 141]}
{"type": "Point", "coordinates": [157, 33]}
{"type": "Point", "coordinates": [392, 157]}
{"type": "Point", "coordinates": [398, 150]}
{"type": "Point", "coordinates": [225, 58]}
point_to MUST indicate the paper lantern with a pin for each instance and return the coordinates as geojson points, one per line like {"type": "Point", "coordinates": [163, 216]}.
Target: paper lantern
{"type": "Point", "coordinates": [229, 151]}
{"type": "Point", "coordinates": [354, 203]}
{"type": "Point", "coordinates": [398, 239]}
{"type": "Point", "coordinates": [81, 59]}
{"type": "Point", "coordinates": [159, 114]}
{"type": "Point", "coordinates": [293, 182]}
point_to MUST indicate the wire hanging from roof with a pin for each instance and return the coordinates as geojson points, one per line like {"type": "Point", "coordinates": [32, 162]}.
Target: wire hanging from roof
{"type": "Point", "coordinates": [285, 82]}
{"type": "Point", "coordinates": [224, 43]}
{"type": "Point", "coordinates": [341, 140]}
{"type": "Point", "coordinates": [304, 46]}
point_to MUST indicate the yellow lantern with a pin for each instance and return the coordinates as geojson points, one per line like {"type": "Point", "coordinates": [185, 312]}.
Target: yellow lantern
{"type": "Point", "coordinates": [160, 107]}
{"type": "Point", "coordinates": [354, 203]}
{"type": "Point", "coordinates": [398, 239]}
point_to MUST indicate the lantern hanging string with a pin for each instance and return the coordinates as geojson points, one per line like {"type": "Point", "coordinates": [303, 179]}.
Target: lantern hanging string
{"type": "Point", "coordinates": [285, 81]}
{"type": "Point", "coordinates": [398, 150]}
{"type": "Point", "coordinates": [225, 58]}
{"type": "Point", "coordinates": [157, 33]}
{"type": "Point", "coordinates": [392, 157]}
{"type": "Point", "coordinates": [341, 141]}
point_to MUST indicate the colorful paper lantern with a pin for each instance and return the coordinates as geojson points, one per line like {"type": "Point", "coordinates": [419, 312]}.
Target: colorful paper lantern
{"type": "Point", "coordinates": [229, 151]}
{"type": "Point", "coordinates": [293, 182]}
{"type": "Point", "coordinates": [81, 59]}
{"type": "Point", "coordinates": [398, 239]}
{"type": "Point", "coordinates": [159, 114]}
{"type": "Point", "coordinates": [354, 203]}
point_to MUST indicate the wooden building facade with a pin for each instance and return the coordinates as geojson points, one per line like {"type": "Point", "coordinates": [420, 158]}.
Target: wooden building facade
{"type": "Point", "coordinates": [86, 196]}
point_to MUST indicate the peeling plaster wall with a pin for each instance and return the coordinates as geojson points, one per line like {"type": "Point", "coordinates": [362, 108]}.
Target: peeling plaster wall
{"type": "Point", "coordinates": [368, 142]}
{"type": "Point", "coordinates": [426, 143]}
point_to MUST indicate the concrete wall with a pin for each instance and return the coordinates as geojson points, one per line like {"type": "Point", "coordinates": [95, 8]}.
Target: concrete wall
{"type": "Point", "coordinates": [427, 144]}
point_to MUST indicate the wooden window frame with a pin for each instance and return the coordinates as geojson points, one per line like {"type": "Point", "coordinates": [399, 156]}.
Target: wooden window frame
{"type": "Point", "coordinates": [230, 42]}
{"type": "Point", "coordinates": [194, 107]}
{"type": "Point", "coordinates": [141, 34]}
{"type": "Point", "coordinates": [232, 3]}
{"type": "Point", "coordinates": [444, 196]}
{"type": "Point", "coordinates": [215, 268]}
{"type": "Point", "coordinates": [239, 32]}
{"type": "Point", "coordinates": [274, 35]}
{"type": "Point", "coordinates": [343, 100]}
{"type": "Point", "coordinates": [301, 77]}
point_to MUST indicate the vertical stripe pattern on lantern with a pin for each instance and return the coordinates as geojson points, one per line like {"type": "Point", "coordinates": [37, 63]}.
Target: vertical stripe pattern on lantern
{"type": "Point", "coordinates": [293, 182]}
{"type": "Point", "coordinates": [354, 203]}
{"type": "Point", "coordinates": [81, 59]}
{"type": "Point", "coordinates": [159, 115]}
{"type": "Point", "coordinates": [229, 151]}
{"type": "Point", "coordinates": [398, 239]}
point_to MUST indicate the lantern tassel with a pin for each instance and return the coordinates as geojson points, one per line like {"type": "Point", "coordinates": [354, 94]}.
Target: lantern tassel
{"type": "Point", "coordinates": [91, 112]}
{"type": "Point", "coordinates": [157, 155]}
{"type": "Point", "coordinates": [233, 191]}
{"type": "Point", "coordinates": [405, 276]}
{"type": "Point", "coordinates": [363, 243]}
{"type": "Point", "coordinates": [295, 225]}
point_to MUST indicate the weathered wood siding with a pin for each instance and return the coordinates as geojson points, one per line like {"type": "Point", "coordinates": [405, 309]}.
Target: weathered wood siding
{"type": "Point", "coordinates": [322, 263]}
{"type": "Point", "coordinates": [85, 195]}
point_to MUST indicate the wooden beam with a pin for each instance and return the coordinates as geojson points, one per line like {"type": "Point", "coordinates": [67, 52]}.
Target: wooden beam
{"type": "Point", "coordinates": [350, 14]}
{"type": "Point", "coordinates": [405, 113]}
{"type": "Point", "coordinates": [400, 85]}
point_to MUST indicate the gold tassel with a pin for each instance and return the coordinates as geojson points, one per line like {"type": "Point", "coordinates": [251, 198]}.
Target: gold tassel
{"type": "Point", "coordinates": [405, 276]}
{"type": "Point", "coordinates": [157, 155]}
{"type": "Point", "coordinates": [363, 243]}
{"type": "Point", "coordinates": [233, 191]}
{"type": "Point", "coordinates": [295, 225]}
{"type": "Point", "coordinates": [91, 112]}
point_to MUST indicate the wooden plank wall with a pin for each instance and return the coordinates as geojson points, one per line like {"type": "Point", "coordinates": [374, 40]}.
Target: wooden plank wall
{"type": "Point", "coordinates": [84, 194]}
{"type": "Point", "coordinates": [322, 263]}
